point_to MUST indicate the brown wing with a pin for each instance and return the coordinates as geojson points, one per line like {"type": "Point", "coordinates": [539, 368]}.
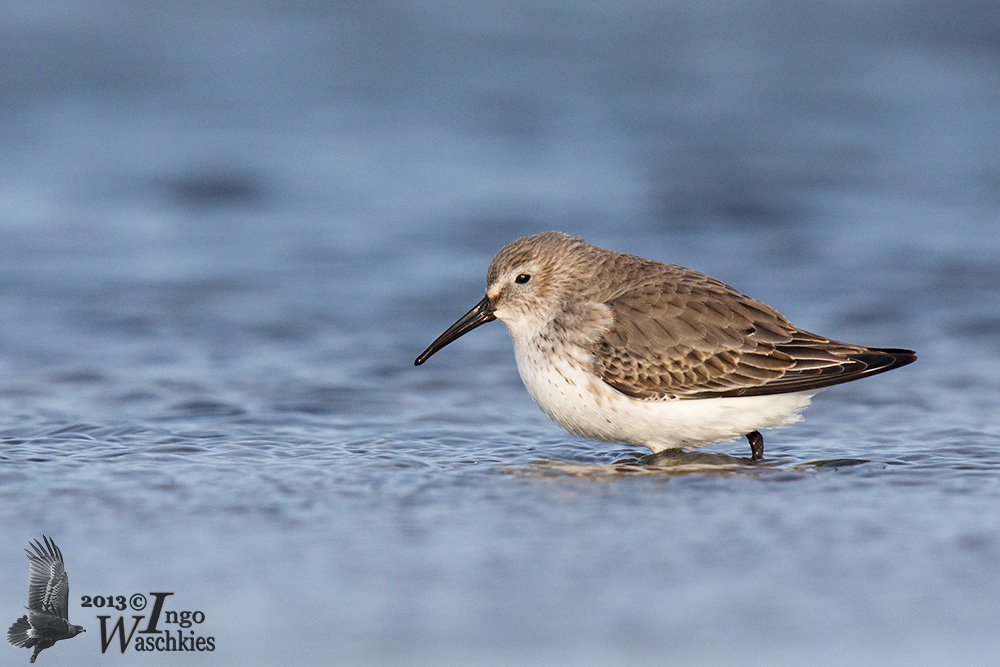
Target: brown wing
{"type": "Point", "coordinates": [48, 584]}
{"type": "Point", "coordinates": [691, 336]}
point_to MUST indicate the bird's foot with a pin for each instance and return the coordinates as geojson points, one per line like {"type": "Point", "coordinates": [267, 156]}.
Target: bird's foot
{"type": "Point", "coordinates": [756, 441]}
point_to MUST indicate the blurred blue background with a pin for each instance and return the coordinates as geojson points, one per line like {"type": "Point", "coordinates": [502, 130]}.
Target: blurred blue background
{"type": "Point", "coordinates": [226, 230]}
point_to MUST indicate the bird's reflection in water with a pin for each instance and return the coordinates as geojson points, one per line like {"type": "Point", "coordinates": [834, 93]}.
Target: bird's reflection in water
{"type": "Point", "coordinates": [675, 463]}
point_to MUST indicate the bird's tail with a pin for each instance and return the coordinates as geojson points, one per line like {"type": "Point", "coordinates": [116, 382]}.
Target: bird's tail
{"type": "Point", "coordinates": [18, 634]}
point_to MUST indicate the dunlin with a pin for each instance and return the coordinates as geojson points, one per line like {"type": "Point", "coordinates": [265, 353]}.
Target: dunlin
{"type": "Point", "coordinates": [618, 348]}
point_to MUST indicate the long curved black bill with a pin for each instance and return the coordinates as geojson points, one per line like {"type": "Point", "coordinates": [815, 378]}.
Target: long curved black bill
{"type": "Point", "coordinates": [481, 314]}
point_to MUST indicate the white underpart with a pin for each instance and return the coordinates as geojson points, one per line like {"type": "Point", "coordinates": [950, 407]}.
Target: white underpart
{"type": "Point", "coordinates": [575, 398]}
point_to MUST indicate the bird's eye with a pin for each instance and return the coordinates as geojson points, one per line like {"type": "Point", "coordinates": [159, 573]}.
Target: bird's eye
{"type": "Point", "coordinates": [522, 278]}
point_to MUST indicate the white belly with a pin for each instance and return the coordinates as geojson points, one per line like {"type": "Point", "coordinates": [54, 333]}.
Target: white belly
{"type": "Point", "coordinates": [585, 405]}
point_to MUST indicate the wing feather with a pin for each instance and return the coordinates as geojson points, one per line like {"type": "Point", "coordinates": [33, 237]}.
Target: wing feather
{"type": "Point", "coordinates": [48, 583]}
{"type": "Point", "coordinates": [691, 336]}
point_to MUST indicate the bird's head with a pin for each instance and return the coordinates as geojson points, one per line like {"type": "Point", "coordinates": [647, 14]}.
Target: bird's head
{"type": "Point", "coordinates": [528, 279]}
{"type": "Point", "coordinates": [525, 285]}
{"type": "Point", "coordinates": [76, 629]}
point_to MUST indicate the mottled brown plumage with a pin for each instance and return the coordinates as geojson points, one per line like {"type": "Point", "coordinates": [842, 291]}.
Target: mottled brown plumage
{"type": "Point", "coordinates": [652, 332]}
{"type": "Point", "coordinates": [678, 333]}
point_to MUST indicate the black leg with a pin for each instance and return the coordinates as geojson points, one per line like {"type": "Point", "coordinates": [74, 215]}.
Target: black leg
{"type": "Point", "coordinates": [756, 441]}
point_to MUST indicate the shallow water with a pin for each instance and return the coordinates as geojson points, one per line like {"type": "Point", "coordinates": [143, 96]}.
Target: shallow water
{"type": "Point", "coordinates": [225, 233]}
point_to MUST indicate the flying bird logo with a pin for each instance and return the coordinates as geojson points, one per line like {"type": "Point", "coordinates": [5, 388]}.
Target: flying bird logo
{"type": "Point", "coordinates": [47, 620]}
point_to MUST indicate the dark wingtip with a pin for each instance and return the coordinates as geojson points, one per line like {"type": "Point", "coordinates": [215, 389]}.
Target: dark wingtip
{"type": "Point", "coordinates": [864, 363]}
{"type": "Point", "coordinates": [899, 356]}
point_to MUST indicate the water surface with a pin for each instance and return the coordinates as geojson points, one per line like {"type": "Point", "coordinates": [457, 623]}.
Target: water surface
{"type": "Point", "coordinates": [225, 233]}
